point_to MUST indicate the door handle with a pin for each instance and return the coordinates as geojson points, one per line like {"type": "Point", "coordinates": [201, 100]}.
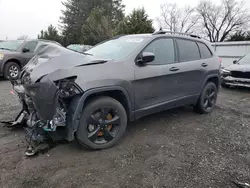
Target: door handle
{"type": "Point", "coordinates": [173, 69]}
{"type": "Point", "coordinates": [204, 65]}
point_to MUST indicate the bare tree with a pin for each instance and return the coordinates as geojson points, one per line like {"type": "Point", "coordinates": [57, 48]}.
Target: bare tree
{"type": "Point", "coordinates": [219, 21]}
{"type": "Point", "coordinates": [177, 19]}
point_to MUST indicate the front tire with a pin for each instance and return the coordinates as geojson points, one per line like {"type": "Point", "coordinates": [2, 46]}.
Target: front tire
{"type": "Point", "coordinates": [11, 70]}
{"type": "Point", "coordinates": [102, 124]}
{"type": "Point", "coordinates": [207, 99]}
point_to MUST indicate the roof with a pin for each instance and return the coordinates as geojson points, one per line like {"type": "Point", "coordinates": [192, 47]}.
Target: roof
{"type": "Point", "coordinates": [138, 35]}
{"type": "Point", "coordinates": [166, 33]}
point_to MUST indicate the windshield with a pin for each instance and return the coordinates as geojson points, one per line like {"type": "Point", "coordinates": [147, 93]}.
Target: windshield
{"type": "Point", "coordinates": [116, 49]}
{"type": "Point", "coordinates": [244, 60]}
{"type": "Point", "coordinates": [11, 45]}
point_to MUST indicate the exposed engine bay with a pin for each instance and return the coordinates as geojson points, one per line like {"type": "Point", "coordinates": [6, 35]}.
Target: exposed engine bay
{"type": "Point", "coordinates": [47, 106]}
{"type": "Point", "coordinates": [44, 113]}
{"type": "Point", "coordinates": [49, 92]}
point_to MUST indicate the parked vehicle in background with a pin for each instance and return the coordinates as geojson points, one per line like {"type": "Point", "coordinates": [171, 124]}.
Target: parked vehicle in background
{"type": "Point", "coordinates": [79, 48]}
{"type": "Point", "coordinates": [90, 97]}
{"type": "Point", "coordinates": [237, 74]}
{"type": "Point", "coordinates": [231, 51]}
{"type": "Point", "coordinates": [14, 54]}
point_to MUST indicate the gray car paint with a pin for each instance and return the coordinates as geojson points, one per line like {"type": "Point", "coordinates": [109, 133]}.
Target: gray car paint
{"type": "Point", "coordinates": [150, 88]}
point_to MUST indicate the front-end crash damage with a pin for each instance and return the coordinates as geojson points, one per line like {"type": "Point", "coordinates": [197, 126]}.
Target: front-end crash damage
{"type": "Point", "coordinates": [236, 78]}
{"type": "Point", "coordinates": [48, 108]}
{"type": "Point", "coordinates": [49, 94]}
{"type": "Point", "coordinates": [53, 88]}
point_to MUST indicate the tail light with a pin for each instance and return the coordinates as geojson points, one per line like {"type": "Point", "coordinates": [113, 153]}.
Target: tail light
{"type": "Point", "coordinates": [220, 60]}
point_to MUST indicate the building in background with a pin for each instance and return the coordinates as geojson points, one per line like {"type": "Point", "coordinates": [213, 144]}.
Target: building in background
{"type": "Point", "coordinates": [231, 51]}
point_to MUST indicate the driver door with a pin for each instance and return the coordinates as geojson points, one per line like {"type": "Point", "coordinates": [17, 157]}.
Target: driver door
{"type": "Point", "coordinates": [156, 83]}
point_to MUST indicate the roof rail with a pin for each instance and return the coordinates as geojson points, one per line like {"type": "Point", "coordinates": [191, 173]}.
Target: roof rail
{"type": "Point", "coordinates": [175, 33]}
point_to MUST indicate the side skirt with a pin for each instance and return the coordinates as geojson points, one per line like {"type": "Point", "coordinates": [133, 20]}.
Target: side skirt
{"type": "Point", "coordinates": [188, 100]}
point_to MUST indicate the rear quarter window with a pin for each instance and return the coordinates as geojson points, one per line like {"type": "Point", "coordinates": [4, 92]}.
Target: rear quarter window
{"type": "Point", "coordinates": [205, 52]}
{"type": "Point", "coordinates": [188, 50]}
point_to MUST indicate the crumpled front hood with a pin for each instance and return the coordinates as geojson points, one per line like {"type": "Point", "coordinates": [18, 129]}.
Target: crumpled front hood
{"type": "Point", "coordinates": [55, 57]}
{"type": "Point", "coordinates": [238, 67]}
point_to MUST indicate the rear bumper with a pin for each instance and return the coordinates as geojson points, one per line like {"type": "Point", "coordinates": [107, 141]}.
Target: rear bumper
{"type": "Point", "coordinates": [229, 80]}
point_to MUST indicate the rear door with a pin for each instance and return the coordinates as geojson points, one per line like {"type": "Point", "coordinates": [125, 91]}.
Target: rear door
{"type": "Point", "coordinates": [209, 62]}
{"type": "Point", "coordinates": [190, 69]}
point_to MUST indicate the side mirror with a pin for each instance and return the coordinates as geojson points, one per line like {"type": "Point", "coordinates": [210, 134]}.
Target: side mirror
{"type": "Point", "coordinates": [146, 57]}
{"type": "Point", "coordinates": [235, 62]}
{"type": "Point", "coordinates": [26, 50]}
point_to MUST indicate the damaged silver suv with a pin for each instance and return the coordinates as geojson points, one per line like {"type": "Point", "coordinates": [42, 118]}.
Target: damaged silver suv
{"type": "Point", "coordinates": [90, 97]}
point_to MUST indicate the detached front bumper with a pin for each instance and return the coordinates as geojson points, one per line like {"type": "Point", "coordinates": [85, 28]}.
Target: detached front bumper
{"type": "Point", "coordinates": [231, 81]}
{"type": "Point", "coordinates": [48, 111]}
{"type": "Point", "coordinates": [44, 96]}
{"type": "Point", "coordinates": [39, 98]}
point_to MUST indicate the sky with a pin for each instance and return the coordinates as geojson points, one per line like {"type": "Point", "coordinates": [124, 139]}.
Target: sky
{"type": "Point", "coordinates": [28, 17]}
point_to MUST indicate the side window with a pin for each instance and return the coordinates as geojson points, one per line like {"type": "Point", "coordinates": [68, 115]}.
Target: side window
{"type": "Point", "coordinates": [31, 46]}
{"type": "Point", "coordinates": [205, 52]}
{"type": "Point", "coordinates": [163, 49]}
{"type": "Point", "coordinates": [188, 50]}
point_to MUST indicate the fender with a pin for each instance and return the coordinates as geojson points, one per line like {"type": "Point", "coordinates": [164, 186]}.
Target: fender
{"type": "Point", "coordinates": [211, 76]}
{"type": "Point", "coordinates": [76, 107]}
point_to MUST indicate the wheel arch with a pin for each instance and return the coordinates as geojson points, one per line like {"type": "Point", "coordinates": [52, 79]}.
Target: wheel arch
{"type": "Point", "coordinates": [215, 78]}
{"type": "Point", "coordinates": [13, 60]}
{"type": "Point", "coordinates": [77, 105]}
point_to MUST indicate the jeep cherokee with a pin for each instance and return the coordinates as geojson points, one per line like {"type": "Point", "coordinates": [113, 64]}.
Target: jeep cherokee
{"type": "Point", "coordinates": [90, 97]}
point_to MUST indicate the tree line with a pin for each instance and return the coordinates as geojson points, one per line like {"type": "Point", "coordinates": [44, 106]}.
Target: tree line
{"type": "Point", "coordinates": [92, 21]}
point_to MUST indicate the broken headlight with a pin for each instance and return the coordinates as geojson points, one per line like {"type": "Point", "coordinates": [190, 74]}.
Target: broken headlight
{"type": "Point", "coordinates": [68, 87]}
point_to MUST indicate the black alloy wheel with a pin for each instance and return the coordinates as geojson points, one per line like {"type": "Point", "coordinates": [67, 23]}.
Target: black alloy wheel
{"type": "Point", "coordinates": [210, 98]}
{"type": "Point", "coordinates": [103, 123]}
{"type": "Point", "coordinates": [207, 99]}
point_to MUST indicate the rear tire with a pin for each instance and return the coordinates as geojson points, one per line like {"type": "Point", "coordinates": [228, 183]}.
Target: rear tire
{"type": "Point", "coordinates": [11, 70]}
{"type": "Point", "coordinates": [207, 99]}
{"type": "Point", "coordinates": [94, 132]}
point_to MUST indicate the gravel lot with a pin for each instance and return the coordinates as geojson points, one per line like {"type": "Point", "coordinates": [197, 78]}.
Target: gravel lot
{"type": "Point", "coordinates": [177, 148]}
